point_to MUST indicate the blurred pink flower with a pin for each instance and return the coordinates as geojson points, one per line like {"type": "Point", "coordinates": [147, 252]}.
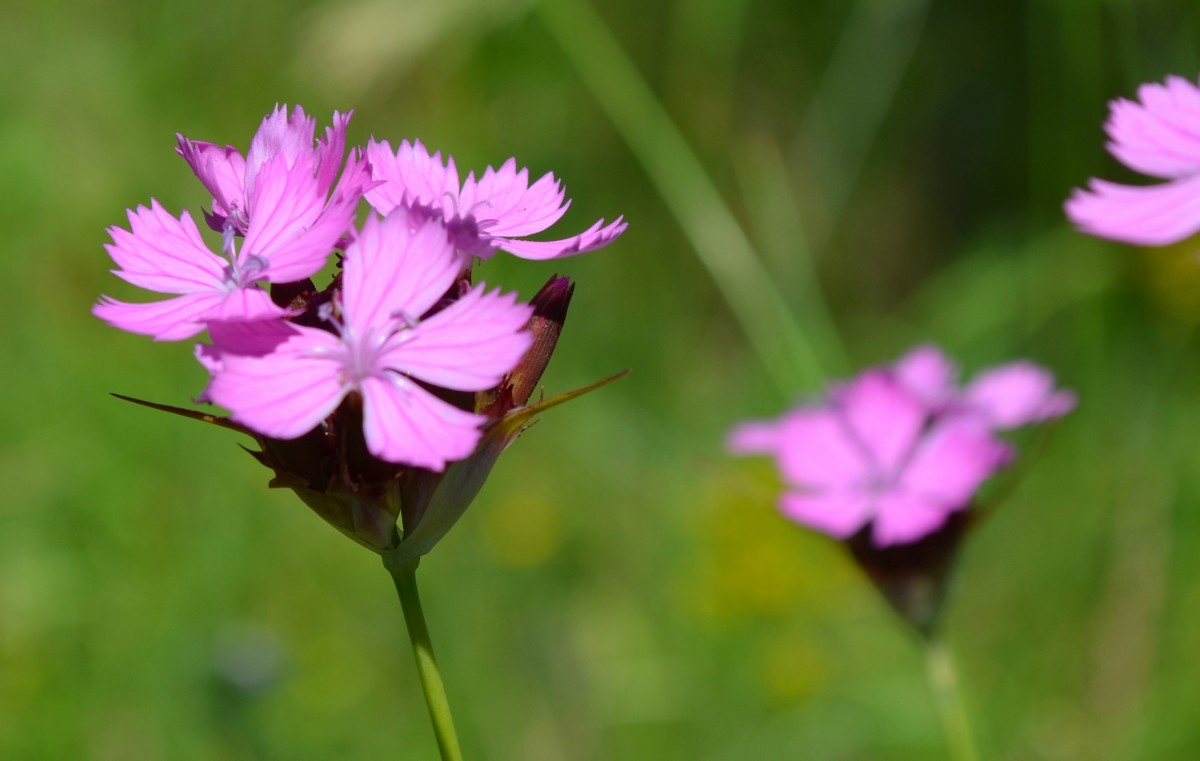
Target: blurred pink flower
{"type": "Point", "coordinates": [1007, 396]}
{"type": "Point", "coordinates": [493, 212]}
{"type": "Point", "coordinates": [386, 347]}
{"type": "Point", "coordinates": [1157, 135]}
{"type": "Point", "coordinates": [898, 449]}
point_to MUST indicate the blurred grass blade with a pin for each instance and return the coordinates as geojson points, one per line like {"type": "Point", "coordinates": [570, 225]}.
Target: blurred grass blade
{"type": "Point", "coordinates": [720, 243]}
{"type": "Point", "coordinates": [854, 94]}
{"type": "Point", "coordinates": [772, 211]}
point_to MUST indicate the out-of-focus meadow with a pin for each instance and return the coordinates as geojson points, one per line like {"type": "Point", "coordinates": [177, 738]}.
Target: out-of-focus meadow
{"type": "Point", "coordinates": [621, 589]}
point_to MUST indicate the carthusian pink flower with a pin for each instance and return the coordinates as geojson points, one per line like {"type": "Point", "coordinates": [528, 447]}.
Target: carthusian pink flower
{"type": "Point", "coordinates": [384, 398]}
{"type": "Point", "coordinates": [899, 449]}
{"type": "Point", "coordinates": [482, 215]}
{"type": "Point", "coordinates": [166, 254]}
{"type": "Point", "coordinates": [278, 225]}
{"type": "Point", "coordinates": [1007, 396]}
{"type": "Point", "coordinates": [386, 347]}
{"type": "Point", "coordinates": [311, 170]}
{"type": "Point", "coordinates": [1157, 135]}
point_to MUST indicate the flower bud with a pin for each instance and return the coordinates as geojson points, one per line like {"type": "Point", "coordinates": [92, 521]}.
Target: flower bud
{"type": "Point", "coordinates": [549, 314]}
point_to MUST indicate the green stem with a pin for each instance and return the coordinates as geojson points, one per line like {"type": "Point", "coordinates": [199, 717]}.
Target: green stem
{"type": "Point", "coordinates": [944, 681]}
{"type": "Point", "coordinates": [405, 579]}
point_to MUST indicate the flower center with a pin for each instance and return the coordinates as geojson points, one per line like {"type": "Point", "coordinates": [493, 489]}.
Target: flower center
{"type": "Point", "coordinates": [470, 213]}
{"type": "Point", "coordinates": [361, 354]}
{"type": "Point", "coordinates": [239, 273]}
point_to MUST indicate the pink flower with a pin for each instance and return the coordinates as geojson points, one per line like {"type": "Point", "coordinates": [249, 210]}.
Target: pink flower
{"type": "Point", "coordinates": [494, 212]}
{"type": "Point", "coordinates": [1008, 396]}
{"type": "Point", "coordinates": [233, 180]}
{"type": "Point", "coordinates": [276, 198]}
{"type": "Point", "coordinates": [1158, 136]}
{"type": "Point", "coordinates": [385, 349]}
{"type": "Point", "coordinates": [164, 254]}
{"type": "Point", "coordinates": [897, 449]}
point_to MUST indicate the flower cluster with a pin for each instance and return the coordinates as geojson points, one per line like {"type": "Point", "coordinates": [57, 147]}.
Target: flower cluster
{"type": "Point", "coordinates": [1157, 135]}
{"type": "Point", "coordinates": [363, 395]}
{"type": "Point", "coordinates": [899, 449]}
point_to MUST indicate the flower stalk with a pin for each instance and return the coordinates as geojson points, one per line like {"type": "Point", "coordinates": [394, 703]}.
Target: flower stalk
{"type": "Point", "coordinates": [405, 578]}
{"type": "Point", "coordinates": [944, 681]}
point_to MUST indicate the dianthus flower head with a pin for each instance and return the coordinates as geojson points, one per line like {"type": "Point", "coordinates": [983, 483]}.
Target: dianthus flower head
{"type": "Point", "coordinates": [1157, 135]}
{"type": "Point", "coordinates": [386, 347]}
{"type": "Point", "coordinates": [897, 450]}
{"type": "Point", "coordinates": [277, 200]}
{"type": "Point", "coordinates": [482, 215]}
{"type": "Point", "coordinates": [233, 179]}
{"type": "Point", "coordinates": [384, 399]}
{"type": "Point", "coordinates": [1006, 396]}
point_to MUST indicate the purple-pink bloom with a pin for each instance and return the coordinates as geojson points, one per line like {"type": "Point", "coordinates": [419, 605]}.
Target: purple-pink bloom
{"type": "Point", "coordinates": [385, 348]}
{"type": "Point", "coordinates": [277, 198]}
{"type": "Point", "coordinates": [897, 449]}
{"type": "Point", "coordinates": [1157, 135]}
{"type": "Point", "coordinates": [1007, 396]}
{"type": "Point", "coordinates": [494, 212]}
{"type": "Point", "coordinates": [233, 179]}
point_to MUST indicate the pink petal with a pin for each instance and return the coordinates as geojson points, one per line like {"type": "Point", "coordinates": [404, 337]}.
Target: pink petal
{"type": "Point", "coordinates": [389, 190]}
{"type": "Point", "coordinates": [279, 135]}
{"type": "Point", "coordinates": [1017, 394]}
{"type": "Point", "coordinates": [883, 416]}
{"type": "Point", "coordinates": [256, 338]}
{"type": "Point", "coordinates": [903, 518]}
{"type": "Point", "coordinates": [247, 305]}
{"type": "Point", "coordinates": [164, 254]}
{"type": "Point", "coordinates": [300, 257]}
{"type": "Point", "coordinates": [928, 374]}
{"type": "Point", "coordinates": [286, 393]}
{"type": "Point", "coordinates": [404, 423]}
{"type": "Point", "coordinates": [817, 451]}
{"type": "Point", "coordinates": [468, 346]}
{"type": "Point", "coordinates": [411, 176]}
{"type": "Point", "coordinates": [171, 320]}
{"type": "Point", "coordinates": [221, 170]}
{"type": "Point", "coordinates": [251, 338]}
{"type": "Point", "coordinates": [1150, 216]}
{"type": "Point", "coordinates": [951, 463]}
{"type": "Point", "coordinates": [756, 437]}
{"type": "Point", "coordinates": [505, 204]}
{"type": "Point", "coordinates": [596, 236]}
{"type": "Point", "coordinates": [211, 359]}
{"type": "Point", "coordinates": [355, 179]}
{"type": "Point", "coordinates": [1160, 136]}
{"type": "Point", "coordinates": [330, 150]}
{"type": "Point", "coordinates": [395, 268]}
{"type": "Point", "coordinates": [284, 205]}
{"type": "Point", "coordinates": [840, 514]}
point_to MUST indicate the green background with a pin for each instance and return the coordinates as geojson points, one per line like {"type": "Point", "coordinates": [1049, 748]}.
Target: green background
{"type": "Point", "coordinates": [621, 589]}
